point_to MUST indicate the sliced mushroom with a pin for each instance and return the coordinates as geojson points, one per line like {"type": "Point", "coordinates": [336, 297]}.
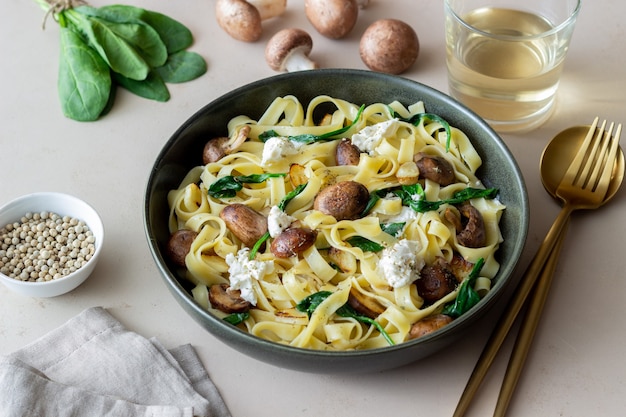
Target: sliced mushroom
{"type": "Point", "coordinates": [408, 173]}
{"type": "Point", "coordinates": [332, 18]}
{"type": "Point", "coordinates": [225, 299]}
{"type": "Point", "coordinates": [389, 45]}
{"type": "Point", "coordinates": [216, 148]}
{"type": "Point", "coordinates": [245, 223]}
{"type": "Point", "coordinates": [292, 242]}
{"type": "Point", "coordinates": [435, 168]}
{"type": "Point", "coordinates": [461, 268]}
{"type": "Point", "coordinates": [345, 200]}
{"type": "Point", "coordinates": [343, 260]}
{"type": "Point", "coordinates": [346, 153]}
{"type": "Point", "coordinates": [435, 281]}
{"type": "Point", "coordinates": [288, 50]}
{"type": "Point", "coordinates": [428, 325]}
{"type": "Point", "coordinates": [473, 234]}
{"type": "Point", "coordinates": [364, 305]}
{"type": "Point", "coordinates": [179, 245]}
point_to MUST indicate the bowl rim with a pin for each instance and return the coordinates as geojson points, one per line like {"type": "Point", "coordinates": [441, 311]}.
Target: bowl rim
{"type": "Point", "coordinates": [223, 330]}
{"type": "Point", "coordinates": [98, 227]}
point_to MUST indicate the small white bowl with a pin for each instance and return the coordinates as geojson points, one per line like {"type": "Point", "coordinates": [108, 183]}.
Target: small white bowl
{"type": "Point", "coordinates": [63, 205]}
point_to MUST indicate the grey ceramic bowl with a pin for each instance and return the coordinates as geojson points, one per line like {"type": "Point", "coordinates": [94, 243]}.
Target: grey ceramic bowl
{"type": "Point", "coordinates": [183, 151]}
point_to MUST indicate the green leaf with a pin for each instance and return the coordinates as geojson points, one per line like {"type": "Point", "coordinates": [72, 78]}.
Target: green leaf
{"type": "Point", "coordinates": [116, 52]}
{"type": "Point", "coordinates": [311, 302]}
{"type": "Point", "coordinates": [466, 297]}
{"type": "Point", "coordinates": [181, 67]}
{"type": "Point", "coordinates": [175, 35]}
{"type": "Point", "coordinates": [236, 318]}
{"type": "Point", "coordinates": [364, 244]}
{"type": "Point", "coordinates": [227, 187]}
{"type": "Point", "coordinates": [143, 38]}
{"type": "Point", "coordinates": [84, 81]}
{"type": "Point", "coordinates": [308, 138]}
{"type": "Point", "coordinates": [392, 228]}
{"type": "Point", "coordinates": [415, 197]}
{"type": "Point", "coordinates": [152, 88]}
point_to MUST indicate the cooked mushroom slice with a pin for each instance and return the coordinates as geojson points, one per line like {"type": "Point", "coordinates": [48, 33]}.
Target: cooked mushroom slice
{"type": "Point", "coordinates": [332, 18]}
{"type": "Point", "coordinates": [364, 305]}
{"type": "Point", "coordinates": [217, 148]}
{"type": "Point", "coordinates": [435, 281]}
{"type": "Point", "coordinates": [292, 242]}
{"type": "Point", "coordinates": [408, 173]}
{"type": "Point", "coordinates": [179, 244]}
{"type": "Point", "coordinates": [389, 45]}
{"type": "Point", "coordinates": [245, 223]}
{"type": "Point", "coordinates": [473, 234]}
{"type": "Point", "coordinates": [435, 168]}
{"type": "Point", "coordinates": [288, 50]}
{"type": "Point", "coordinates": [461, 267]}
{"type": "Point", "coordinates": [346, 153]}
{"type": "Point", "coordinates": [242, 19]}
{"type": "Point", "coordinates": [428, 325]}
{"type": "Point", "coordinates": [345, 200]}
{"type": "Point", "coordinates": [225, 299]}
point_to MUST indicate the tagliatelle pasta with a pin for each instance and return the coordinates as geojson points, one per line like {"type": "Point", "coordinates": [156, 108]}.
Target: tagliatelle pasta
{"type": "Point", "coordinates": [349, 257]}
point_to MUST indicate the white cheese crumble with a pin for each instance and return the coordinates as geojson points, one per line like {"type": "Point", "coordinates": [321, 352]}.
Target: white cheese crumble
{"type": "Point", "coordinates": [399, 264]}
{"type": "Point", "coordinates": [242, 270]}
{"type": "Point", "coordinates": [278, 220]}
{"type": "Point", "coordinates": [368, 138]}
{"type": "Point", "coordinates": [277, 148]}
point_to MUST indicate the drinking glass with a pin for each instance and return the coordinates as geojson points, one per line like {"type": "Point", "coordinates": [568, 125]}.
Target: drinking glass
{"type": "Point", "coordinates": [505, 57]}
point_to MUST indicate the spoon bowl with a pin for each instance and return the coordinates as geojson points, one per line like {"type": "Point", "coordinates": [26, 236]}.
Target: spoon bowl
{"type": "Point", "coordinates": [560, 152]}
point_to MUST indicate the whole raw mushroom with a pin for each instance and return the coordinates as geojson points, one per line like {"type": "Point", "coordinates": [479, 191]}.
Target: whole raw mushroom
{"type": "Point", "coordinates": [289, 49]}
{"type": "Point", "coordinates": [332, 18]}
{"type": "Point", "coordinates": [242, 19]}
{"type": "Point", "coordinates": [389, 45]}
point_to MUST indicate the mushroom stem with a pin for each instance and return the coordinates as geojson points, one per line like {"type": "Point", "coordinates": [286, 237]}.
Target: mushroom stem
{"type": "Point", "coordinates": [299, 61]}
{"type": "Point", "coordinates": [270, 8]}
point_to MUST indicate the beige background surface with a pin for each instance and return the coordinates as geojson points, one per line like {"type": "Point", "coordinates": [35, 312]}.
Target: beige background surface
{"type": "Point", "coordinates": [576, 367]}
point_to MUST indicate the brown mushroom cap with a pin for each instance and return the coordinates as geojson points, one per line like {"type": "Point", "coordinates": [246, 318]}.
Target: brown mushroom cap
{"type": "Point", "coordinates": [332, 18]}
{"type": "Point", "coordinates": [389, 45]}
{"type": "Point", "coordinates": [288, 50]}
{"type": "Point", "coordinates": [239, 19]}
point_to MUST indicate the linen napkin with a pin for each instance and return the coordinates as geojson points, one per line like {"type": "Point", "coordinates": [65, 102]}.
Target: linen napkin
{"type": "Point", "coordinates": [93, 366]}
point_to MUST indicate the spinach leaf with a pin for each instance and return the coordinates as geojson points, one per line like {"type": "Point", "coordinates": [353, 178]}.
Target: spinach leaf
{"type": "Point", "coordinates": [466, 297]}
{"type": "Point", "coordinates": [227, 187]}
{"type": "Point", "coordinates": [152, 88]}
{"type": "Point", "coordinates": [428, 117]}
{"type": "Point", "coordinates": [311, 302]}
{"type": "Point", "coordinates": [181, 67]}
{"type": "Point", "coordinates": [84, 82]}
{"type": "Point", "coordinates": [143, 38]}
{"type": "Point", "coordinates": [415, 197]}
{"type": "Point", "coordinates": [367, 245]}
{"type": "Point", "coordinates": [309, 138]}
{"type": "Point", "coordinates": [236, 318]}
{"type": "Point", "coordinates": [174, 34]}
{"type": "Point", "coordinates": [116, 52]}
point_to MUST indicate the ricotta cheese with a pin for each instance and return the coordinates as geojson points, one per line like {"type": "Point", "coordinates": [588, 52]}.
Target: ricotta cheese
{"type": "Point", "coordinates": [399, 264]}
{"type": "Point", "coordinates": [277, 148]}
{"type": "Point", "coordinates": [278, 220]}
{"type": "Point", "coordinates": [242, 271]}
{"type": "Point", "coordinates": [368, 138]}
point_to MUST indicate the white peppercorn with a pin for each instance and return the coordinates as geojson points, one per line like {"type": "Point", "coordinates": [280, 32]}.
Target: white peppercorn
{"type": "Point", "coordinates": [44, 246]}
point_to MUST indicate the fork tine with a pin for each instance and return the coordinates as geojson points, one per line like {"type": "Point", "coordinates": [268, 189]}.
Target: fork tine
{"type": "Point", "coordinates": [596, 160]}
{"type": "Point", "coordinates": [605, 178]}
{"type": "Point", "coordinates": [572, 172]}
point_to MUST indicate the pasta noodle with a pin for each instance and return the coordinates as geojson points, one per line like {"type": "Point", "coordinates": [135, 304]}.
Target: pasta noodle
{"type": "Point", "coordinates": [335, 264]}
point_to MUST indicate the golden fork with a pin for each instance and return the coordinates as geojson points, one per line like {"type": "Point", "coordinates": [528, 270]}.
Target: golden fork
{"type": "Point", "coordinates": [584, 186]}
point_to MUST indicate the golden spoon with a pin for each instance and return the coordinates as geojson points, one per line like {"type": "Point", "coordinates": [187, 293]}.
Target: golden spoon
{"type": "Point", "coordinates": [555, 160]}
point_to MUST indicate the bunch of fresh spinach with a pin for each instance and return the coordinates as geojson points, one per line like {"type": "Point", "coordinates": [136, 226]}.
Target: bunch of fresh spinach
{"type": "Point", "coordinates": [119, 45]}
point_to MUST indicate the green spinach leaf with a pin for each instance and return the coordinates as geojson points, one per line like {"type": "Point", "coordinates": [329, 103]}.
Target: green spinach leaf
{"type": "Point", "coordinates": [311, 302]}
{"type": "Point", "coordinates": [227, 187]}
{"type": "Point", "coordinates": [467, 297]}
{"type": "Point", "coordinates": [415, 197]}
{"type": "Point", "coordinates": [152, 88]}
{"type": "Point", "coordinates": [181, 67]}
{"type": "Point", "coordinates": [84, 81]}
{"type": "Point", "coordinates": [236, 318]}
